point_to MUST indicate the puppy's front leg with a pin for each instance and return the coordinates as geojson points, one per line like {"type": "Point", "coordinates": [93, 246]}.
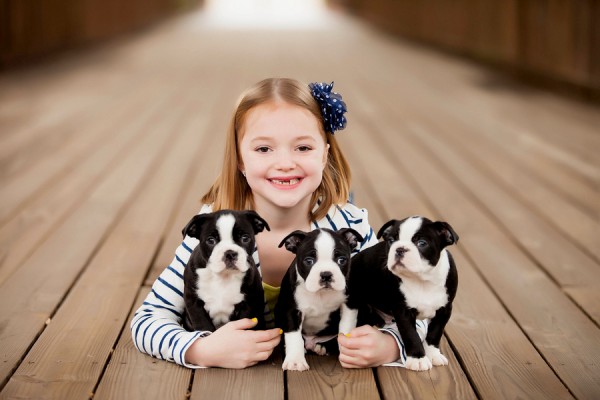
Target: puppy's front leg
{"type": "Point", "coordinates": [196, 318]}
{"type": "Point", "coordinates": [294, 352]}
{"type": "Point", "coordinates": [434, 335]}
{"type": "Point", "coordinates": [348, 319]}
{"type": "Point", "coordinates": [416, 359]}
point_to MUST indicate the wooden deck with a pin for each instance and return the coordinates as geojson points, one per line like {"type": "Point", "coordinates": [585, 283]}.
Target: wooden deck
{"type": "Point", "coordinates": [104, 155]}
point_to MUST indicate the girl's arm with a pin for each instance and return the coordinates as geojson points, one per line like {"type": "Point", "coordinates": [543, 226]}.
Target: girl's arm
{"type": "Point", "coordinates": [156, 326]}
{"type": "Point", "coordinates": [367, 346]}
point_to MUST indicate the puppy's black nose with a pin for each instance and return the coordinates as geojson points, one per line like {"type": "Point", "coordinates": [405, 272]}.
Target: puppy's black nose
{"type": "Point", "coordinates": [401, 251]}
{"type": "Point", "coordinates": [326, 276]}
{"type": "Point", "coordinates": [230, 255]}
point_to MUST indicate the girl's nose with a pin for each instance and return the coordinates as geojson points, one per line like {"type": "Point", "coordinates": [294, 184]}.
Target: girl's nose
{"type": "Point", "coordinates": [285, 161]}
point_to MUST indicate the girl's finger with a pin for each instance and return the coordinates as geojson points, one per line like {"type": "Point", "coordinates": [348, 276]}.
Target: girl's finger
{"type": "Point", "coordinates": [269, 345]}
{"type": "Point", "coordinates": [241, 324]}
{"type": "Point", "coordinates": [352, 343]}
{"type": "Point", "coordinates": [349, 361]}
{"type": "Point", "coordinates": [350, 352]}
{"type": "Point", "coordinates": [263, 355]}
{"type": "Point", "coordinates": [361, 330]}
{"type": "Point", "coordinates": [266, 336]}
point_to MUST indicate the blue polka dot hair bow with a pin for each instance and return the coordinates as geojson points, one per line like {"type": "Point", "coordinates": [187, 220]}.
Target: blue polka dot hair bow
{"type": "Point", "coordinates": [332, 106]}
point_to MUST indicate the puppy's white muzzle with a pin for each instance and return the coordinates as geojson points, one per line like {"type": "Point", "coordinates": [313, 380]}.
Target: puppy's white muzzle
{"type": "Point", "coordinates": [404, 259]}
{"type": "Point", "coordinates": [228, 256]}
{"type": "Point", "coordinates": [325, 275]}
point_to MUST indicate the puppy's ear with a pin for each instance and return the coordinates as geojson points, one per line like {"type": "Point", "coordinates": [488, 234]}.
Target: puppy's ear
{"type": "Point", "coordinates": [445, 231]}
{"type": "Point", "coordinates": [258, 224]}
{"type": "Point", "coordinates": [293, 240]}
{"type": "Point", "coordinates": [388, 230]}
{"type": "Point", "coordinates": [352, 237]}
{"type": "Point", "coordinates": [192, 229]}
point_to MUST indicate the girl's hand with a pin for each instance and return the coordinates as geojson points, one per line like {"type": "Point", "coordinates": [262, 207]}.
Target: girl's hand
{"type": "Point", "coordinates": [233, 346]}
{"type": "Point", "coordinates": [367, 347]}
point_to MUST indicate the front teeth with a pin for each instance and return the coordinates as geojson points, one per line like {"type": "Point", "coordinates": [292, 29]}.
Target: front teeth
{"type": "Point", "coordinates": [290, 182]}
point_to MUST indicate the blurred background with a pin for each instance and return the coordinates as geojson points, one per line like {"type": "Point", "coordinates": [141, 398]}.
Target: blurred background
{"type": "Point", "coordinates": [555, 43]}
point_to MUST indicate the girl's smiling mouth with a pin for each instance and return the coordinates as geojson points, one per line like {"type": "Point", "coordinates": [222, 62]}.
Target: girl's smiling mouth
{"type": "Point", "coordinates": [285, 181]}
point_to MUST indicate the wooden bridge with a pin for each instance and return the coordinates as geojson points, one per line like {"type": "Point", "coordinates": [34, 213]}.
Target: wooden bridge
{"type": "Point", "coordinates": [105, 153]}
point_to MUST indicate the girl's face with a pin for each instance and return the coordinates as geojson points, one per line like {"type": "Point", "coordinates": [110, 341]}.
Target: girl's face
{"type": "Point", "coordinates": [283, 154]}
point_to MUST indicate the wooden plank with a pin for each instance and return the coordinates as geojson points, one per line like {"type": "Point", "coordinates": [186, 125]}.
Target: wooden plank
{"type": "Point", "coordinates": [202, 174]}
{"type": "Point", "coordinates": [262, 381]}
{"type": "Point", "coordinates": [110, 280]}
{"type": "Point", "coordinates": [437, 383]}
{"type": "Point", "coordinates": [21, 188]}
{"type": "Point", "coordinates": [525, 149]}
{"type": "Point", "coordinates": [32, 293]}
{"type": "Point", "coordinates": [133, 376]}
{"type": "Point", "coordinates": [543, 199]}
{"type": "Point", "coordinates": [28, 228]}
{"type": "Point", "coordinates": [488, 340]}
{"type": "Point", "coordinates": [536, 302]}
{"type": "Point", "coordinates": [326, 379]}
{"type": "Point", "coordinates": [564, 261]}
{"type": "Point", "coordinates": [34, 105]}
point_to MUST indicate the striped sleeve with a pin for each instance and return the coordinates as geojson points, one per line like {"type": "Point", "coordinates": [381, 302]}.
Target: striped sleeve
{"type": "Point", "coordinates": [350, 216]}
{"type": "Point", "coordinates": [392, 329]}
{"type": "Point", "coordinates": [156, 325]}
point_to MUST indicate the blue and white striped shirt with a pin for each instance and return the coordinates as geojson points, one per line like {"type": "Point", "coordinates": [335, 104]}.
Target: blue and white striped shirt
{"type": "Point", "coordinates": [156, 326]}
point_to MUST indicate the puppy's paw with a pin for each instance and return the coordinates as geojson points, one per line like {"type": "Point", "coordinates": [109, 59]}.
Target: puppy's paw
{"type": "Point", "coordinates": [320, 350]}
{"type": "Point", "coordinates": [418, 364]}
{"type": "Point", "coordinates": [295, 363]}
{"type": "Point", "coordinates": [434, 354]}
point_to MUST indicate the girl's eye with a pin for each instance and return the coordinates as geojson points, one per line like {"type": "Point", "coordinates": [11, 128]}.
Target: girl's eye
{"type": "Point", "coordinates": [341, 261]}
{"type": "Point", "coordinates": [211, 241]}
{"type": "Point", "coordinates": [309, 261]}
{"type": "Point", "coordinates": [262, 149]}
{"type": "Point", "coordinates": [245, 238]}
{"type": "Point", "coordinates": [304, 149]}
{"type": "Point", "coordinates": [421, 243]}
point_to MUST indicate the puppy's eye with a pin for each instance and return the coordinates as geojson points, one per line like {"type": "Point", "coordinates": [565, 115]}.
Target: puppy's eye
{"type": "Point", "coordinates": [245, 238]}
{"type": "Point", "coordinates": [309, 261]}
{"type": "Point", "coordinates": [342, 260]}
{"type": "Point", "coordinates": [421, 243]}
{"type": "Point", "coordinates": [211, 241]}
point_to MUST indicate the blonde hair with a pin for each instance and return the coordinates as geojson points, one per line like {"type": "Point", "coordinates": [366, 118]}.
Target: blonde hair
{"type": "Point", "coordinates": [231, 191]}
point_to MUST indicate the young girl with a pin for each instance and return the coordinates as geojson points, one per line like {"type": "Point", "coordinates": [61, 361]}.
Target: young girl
{"type": "Point", "coordinates": [281, 160]}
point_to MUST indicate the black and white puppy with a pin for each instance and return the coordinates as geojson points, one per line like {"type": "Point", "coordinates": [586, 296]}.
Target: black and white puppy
{"type": "Point", "coordinates": [408, 275]}
{"type": "Point", "coordinates": [221, 280]}
{"type": "Point", "coordinates": [312, 291]}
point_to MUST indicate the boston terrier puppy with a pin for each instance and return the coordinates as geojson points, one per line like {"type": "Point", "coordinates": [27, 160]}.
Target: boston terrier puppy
{"type": "Point", "coordinates": [221, 280]}
{"type": "Point", "coordinates": [407, 276]}
{"type": "Point", "coordinates": [312, 291]}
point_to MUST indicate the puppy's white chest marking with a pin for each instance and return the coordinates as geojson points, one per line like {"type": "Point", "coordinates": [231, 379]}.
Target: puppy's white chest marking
{"type": "Point", "coordinates": [219, 293]}
{"type": "Point", "coordinates": [429, 294]}
{"type": "Point", "coordinates": [316, 307]}
{"type": "Point", "coordinates": [427, 298]}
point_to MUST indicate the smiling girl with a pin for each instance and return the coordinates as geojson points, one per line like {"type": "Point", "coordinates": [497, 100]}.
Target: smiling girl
{"type": "Point", "coordinates": [281, 160]}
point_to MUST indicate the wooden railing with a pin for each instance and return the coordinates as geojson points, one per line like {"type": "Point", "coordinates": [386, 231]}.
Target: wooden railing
{"type": "Point", "coordinates": [30, 29]}
{"type": "Point", "coordinates": [550, 40]}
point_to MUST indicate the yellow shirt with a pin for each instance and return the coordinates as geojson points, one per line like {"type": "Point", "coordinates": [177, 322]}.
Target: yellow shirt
{"type": "Point", "coordinates": [271, 295]}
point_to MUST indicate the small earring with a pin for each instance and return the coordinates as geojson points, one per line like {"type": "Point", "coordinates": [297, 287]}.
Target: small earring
{"type": "Point", "coordinates": [244, 173]}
